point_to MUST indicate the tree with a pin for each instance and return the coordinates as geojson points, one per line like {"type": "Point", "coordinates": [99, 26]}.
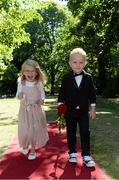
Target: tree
{"type": "Point", "coordinates": [45, 37]}
{"type": "Point", "coordinates": [98, 28]}
{"type": "Point", "coordinates": [14, 15]}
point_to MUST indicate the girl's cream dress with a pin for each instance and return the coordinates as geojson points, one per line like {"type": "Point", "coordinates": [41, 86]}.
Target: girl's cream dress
{"type": "Point", "coordinates": [32, 126]}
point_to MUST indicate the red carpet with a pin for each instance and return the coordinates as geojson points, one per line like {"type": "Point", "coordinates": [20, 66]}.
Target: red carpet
{"type": "Point", "coordinates": [51, 163]}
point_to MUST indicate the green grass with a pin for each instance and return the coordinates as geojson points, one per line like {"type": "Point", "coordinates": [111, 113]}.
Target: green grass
{"type": "Point", "coordinates": [105, 128]}
{"type": "Point", "coordinates": [8, 122]}
{"type": "Point", "coordinates": [50, 108]}
{"type": "Point", "coordinates": [106, 150]}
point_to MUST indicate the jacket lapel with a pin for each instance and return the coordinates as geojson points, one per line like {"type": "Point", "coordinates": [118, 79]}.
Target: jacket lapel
{"type": "Point", "coordinates": [74, 81]}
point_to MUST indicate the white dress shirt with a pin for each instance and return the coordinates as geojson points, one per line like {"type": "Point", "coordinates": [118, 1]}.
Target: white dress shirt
{"type": "Point", "coordinates": [78, 81]}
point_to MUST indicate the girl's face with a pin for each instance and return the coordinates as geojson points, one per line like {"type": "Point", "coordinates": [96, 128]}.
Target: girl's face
{"type": "Point", "coordinates": [77, 63]}
{"type": "Point", "coordinates": [30, 73]}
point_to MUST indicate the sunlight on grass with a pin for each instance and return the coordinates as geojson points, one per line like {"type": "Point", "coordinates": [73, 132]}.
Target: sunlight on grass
{"type": "Point", "coordinates": [102, 112]}
{"type": "Point", "coordinates": [50, 100]}
{"type": "Point", "coordinates": [46, 108]}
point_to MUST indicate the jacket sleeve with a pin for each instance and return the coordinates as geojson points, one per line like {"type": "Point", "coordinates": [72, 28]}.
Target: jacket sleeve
{"type": "Point", "coordinates": [61, 96]}
{"type": "Point", "coordinates": [92, 92]}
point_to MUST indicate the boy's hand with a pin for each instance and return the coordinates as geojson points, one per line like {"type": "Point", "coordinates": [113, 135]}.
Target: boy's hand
{"type": "Point", "coordinates": [59, 103]}
{"type": "Point", "coordinates": [93, 112]}
{"type": "Point", "coordinates": [40, 102]}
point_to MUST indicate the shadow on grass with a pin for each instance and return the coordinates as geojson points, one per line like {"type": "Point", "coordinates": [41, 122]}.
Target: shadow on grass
{"type": "Point", "coordinates": [6, 121]}
{"type": "Point", "coordinates": [50, 104]}
{"type": "Point", "coordinates": [51, 114]}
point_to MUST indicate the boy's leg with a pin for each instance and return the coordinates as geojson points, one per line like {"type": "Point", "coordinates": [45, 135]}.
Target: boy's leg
{"type": "Point", "coordinates": [71, 139]}
{"type": "Point", "coordinates": [71, 134]}
{"type": "Point", "coordinates": [84, 134]}
{"type": "Point", "coordinates": [85, 140]}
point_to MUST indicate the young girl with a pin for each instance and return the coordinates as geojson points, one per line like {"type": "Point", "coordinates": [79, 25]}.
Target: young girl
{"type": "Point", "coordinates": [32, 129]}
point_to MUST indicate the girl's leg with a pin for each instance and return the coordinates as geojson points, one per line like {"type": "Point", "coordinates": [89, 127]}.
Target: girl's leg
{"type": "Point", "coordinates": [25, 148]}
{"type": "Point", "coordinates": [32, 154]}
{"type": "Point", "coordinates": [32, 151]}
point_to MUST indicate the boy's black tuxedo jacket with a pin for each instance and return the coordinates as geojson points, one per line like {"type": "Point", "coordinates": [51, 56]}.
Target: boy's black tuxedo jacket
{"type": "Point", "coordinates": [74, 96]}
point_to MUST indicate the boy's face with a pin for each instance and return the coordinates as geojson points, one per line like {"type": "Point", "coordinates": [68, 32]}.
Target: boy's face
{"type": "Point", "coordinates": [77, 63]}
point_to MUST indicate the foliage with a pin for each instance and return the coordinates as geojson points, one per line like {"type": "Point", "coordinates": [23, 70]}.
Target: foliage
{"type": "Point", "coordinates": [47, 32]}
{"type": "Point", "coordinates": [8, 79]}
{"type": "Point", "coordinates": [112, 88]}
{"type": "Point", "coordinates": [97, 30]}
{"type": "Point", "coordinates": [48, 44]}
{"type": "Point", "coordinates": [14, 14]}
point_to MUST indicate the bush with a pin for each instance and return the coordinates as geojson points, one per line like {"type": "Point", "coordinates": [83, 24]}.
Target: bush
{"type": "Point", "coordinates": [112, 88]}
{"type": "Point", "coordinates": [8, 80]}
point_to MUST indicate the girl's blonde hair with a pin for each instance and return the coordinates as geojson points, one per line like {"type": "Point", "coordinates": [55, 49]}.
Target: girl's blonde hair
{"type": "Point", "coordinates": [41, 76]}
{"type": "Point", "coordinates": [77, 51]}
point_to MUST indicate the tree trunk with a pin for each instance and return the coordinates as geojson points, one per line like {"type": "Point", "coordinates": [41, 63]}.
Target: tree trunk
{"type": "Point", "coordinates": [102, 73]}
{"type": "Point", "coordinates": [52, 80]}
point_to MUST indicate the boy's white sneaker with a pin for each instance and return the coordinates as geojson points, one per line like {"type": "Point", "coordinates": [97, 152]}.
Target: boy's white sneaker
{"type": "Point", "coordinates": [88, 161]}
{"type": "Point", "coordinates": [25, 151]}
{"type": "Point", "coordinates": [32, 156]}
{"type": "Point", "coordinates": [73, 157]}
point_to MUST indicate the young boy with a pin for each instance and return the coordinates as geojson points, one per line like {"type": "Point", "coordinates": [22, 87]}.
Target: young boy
{"type": "Point", "coordinates": [78, 93]}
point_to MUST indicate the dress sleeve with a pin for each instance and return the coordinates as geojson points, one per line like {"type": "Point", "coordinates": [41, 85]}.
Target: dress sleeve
{"type": "Point", "coordinates": [19, 88]}
{"type": "Point", "coordinates": [41, 89]}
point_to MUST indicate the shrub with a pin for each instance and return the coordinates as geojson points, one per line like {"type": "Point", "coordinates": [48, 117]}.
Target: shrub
{"type": "Point", "coordinates": [8, 80]}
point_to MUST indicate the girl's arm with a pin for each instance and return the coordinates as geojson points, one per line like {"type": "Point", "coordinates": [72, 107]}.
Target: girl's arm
{"type": "Point", "coordinates": [42, 94]}
{"type": "Point", "coordinates": [19, 93]}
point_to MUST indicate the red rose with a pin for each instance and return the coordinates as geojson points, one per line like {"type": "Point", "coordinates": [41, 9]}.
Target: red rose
{"type": "Point", "coordinates": [62, 108]}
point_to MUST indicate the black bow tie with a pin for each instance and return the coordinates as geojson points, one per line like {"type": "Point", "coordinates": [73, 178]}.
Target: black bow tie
{"type": "Point", "coordinates": [76, 74]}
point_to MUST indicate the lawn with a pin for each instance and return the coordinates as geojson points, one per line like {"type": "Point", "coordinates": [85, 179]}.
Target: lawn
{"type": "Point", "coordinates": [106, 150]}
{"type": "Point", "coordinates": [105, 129]}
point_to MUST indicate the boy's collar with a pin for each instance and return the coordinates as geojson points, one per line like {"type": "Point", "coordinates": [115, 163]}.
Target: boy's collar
{"type": "Point", "coordinates": [78, 74]}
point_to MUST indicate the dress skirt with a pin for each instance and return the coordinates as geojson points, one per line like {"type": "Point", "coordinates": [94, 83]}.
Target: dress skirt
{"type": "Point", "coordinates": [32, 126]}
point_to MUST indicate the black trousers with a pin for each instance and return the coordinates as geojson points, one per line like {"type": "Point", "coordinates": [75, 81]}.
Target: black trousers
{"type": "Point", "coordinates": [82, 120]}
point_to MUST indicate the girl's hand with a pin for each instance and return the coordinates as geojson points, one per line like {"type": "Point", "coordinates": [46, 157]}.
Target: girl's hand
{"type": "Point", "coordinates": [93, 112]}
{"type": "Point", "coordinates": [40, 102]}
{"type": "Point", "coordinates": [20, 95]}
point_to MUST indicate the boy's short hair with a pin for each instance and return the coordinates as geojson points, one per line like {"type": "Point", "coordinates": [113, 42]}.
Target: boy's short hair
{"type": "Point", "coordinates": [77, 51]}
